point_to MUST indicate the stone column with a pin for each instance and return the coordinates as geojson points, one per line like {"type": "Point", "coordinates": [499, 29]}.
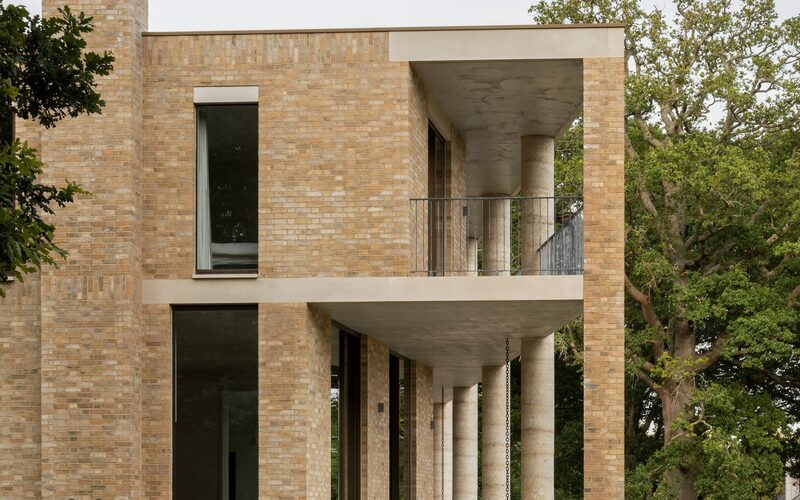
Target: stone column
{"type": "Point", "coordinates": [536, 215]}
{"type": "Point", "coordinates": [472, 256]}
{"type": "Point", "coordinates": [465, 443]}
{"type": "Point", "coordinates": [537, 418]}
{"type": "Point", "coordinates": [497, 236]}
{"type": "Point", "coordinates": [443, 416]}
{"type": "Point", "coordinates": [494, 458]}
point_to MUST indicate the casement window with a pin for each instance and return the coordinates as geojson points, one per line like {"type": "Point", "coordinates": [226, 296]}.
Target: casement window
{"type": "Point", "coordinates": [227, 185]}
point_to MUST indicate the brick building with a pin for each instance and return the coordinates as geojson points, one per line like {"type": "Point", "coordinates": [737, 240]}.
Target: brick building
{"type": "Point", "coordinates": [302, 253]}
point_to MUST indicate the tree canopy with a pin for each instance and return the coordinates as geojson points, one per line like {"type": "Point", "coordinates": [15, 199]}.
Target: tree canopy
{"type": "Point", "coordinates": [712, 243]}
{"type": "Point", "coordinates": [45, 75]}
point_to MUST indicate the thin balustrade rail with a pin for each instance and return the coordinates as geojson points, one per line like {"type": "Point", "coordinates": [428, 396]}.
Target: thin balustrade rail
{"type": "Point", "coordinates": [497, 236]}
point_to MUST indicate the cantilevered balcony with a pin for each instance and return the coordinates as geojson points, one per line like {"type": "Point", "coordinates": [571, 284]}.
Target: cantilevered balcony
{"type": "Point", "coordinates": [497, 236]}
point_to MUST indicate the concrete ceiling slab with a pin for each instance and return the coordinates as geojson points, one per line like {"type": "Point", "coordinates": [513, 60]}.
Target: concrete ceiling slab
{"type": "Point", "coordinates": [456, 338]}
{"type": "Point", "coordinates": [494, 103]}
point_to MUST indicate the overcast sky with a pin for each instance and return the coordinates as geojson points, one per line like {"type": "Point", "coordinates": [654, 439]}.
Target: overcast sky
{"type": "Point", "coordinates": [190, 15]}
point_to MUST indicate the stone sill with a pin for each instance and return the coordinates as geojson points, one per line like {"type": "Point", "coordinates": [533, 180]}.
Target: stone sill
{"type": "Point", "coordinates": [227, 276]}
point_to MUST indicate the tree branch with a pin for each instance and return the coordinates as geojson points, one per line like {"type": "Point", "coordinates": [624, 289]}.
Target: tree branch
{"type": "Point", "coordinates": [647, 379]}
{"type": "Point", "coordinates": [714, 353]}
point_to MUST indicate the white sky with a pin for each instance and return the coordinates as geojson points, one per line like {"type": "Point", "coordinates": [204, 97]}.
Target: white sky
{"type": "Point", "coordinates": [196, 15]}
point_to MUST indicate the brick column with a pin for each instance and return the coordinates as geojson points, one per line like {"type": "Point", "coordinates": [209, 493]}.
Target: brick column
{"type": "Point", "coordinates": [294, 410]}
{"type": "Point", "coordinates": [20, 395]}
{"type": "Point", "coordinates": [157, 402]}
{"type": "Point", "coordinates": [91, 332]}
{"type": "Point", "coordinates": [374, 422]}
{"type": "Point", "coordinates": [603, 292]}
{"type": "Point", "coordinates": [443, 427]}
{"type": "Point", "coordinates": [465, 443]}
{"type": "Point", "coordinates": [422, 435]}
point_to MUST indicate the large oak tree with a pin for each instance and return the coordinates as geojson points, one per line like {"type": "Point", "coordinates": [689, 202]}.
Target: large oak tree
{"type": "Point", "coordinates": [713, 237]}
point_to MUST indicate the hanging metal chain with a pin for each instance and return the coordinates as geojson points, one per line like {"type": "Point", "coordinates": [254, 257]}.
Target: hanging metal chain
{"type": "Point", "coordinates": [441, 420]}
{"type": "Point", "coordinates": [508, 422]}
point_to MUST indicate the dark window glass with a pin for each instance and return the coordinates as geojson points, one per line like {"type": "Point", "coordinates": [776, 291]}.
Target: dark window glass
{"type": "Point", "coordinates": [227, 185]}
{"type": "Point", "coordinates": [215, 435]}
{"type": "Point", "coordinates": [436, 191]}
{"type": "Point", "coordinates": [346, 418]}
{"type": "Point", "coordinates": [399, 430]}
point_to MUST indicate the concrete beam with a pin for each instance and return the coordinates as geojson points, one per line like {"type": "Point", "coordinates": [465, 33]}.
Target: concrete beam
{"type": "Point", "coordinates": [504, 44]}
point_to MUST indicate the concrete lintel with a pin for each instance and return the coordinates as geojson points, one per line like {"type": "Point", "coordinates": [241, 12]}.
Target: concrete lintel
{"type": "Point", "coordinates": [367, 289]}
{"type": "Point", "coordinates": [221, 95]}
{"type": "Point", "coordinates": [506, 44]}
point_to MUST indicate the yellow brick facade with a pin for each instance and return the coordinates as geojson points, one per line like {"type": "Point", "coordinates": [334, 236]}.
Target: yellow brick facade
{"type": "Point", "coordinates": [86, 389]}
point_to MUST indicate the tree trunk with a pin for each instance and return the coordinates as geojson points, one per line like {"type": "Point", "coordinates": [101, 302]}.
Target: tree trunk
{"type": "Point", "coordinates": [673, 404]}
{"type": "Point", "coordinates": [675, 399]}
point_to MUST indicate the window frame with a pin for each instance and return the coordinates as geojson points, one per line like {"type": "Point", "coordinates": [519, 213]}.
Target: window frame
{"type": "Point", "coordinates": [224, 96]}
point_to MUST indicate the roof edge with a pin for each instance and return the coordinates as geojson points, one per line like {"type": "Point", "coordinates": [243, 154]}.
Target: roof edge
{"type": "Point", "coordinates": [373, 30]}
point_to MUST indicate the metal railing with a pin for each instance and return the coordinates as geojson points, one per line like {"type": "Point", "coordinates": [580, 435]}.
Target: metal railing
{"type": "Point", "coordinates": [497, 235]}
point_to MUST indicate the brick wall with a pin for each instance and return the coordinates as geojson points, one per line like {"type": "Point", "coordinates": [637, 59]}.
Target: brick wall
{"type": "Point", "coordinates": [374, 424]}
{"type": "Point", "coordinates": [90, 307]}
{"type": "Point", "coordinates": [294, 433]}
{"type": "Point", "coordinates": [603, 303]}
{"type": "Point", "coordinates": [334, 143]}
{"type": "Point", "coordinates": [20, 398]}
{"type": "Point", "coordinates": [157, 401]}
{"type": "Point", "coordinates": [456, 187]}
{"type": "Point", "coordinates": [455, 182]}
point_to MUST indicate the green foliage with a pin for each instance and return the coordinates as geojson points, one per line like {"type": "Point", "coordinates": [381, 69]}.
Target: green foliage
{"type": "Point", "coordinates": [45, 75]}
{"type": "Point", "coordinates": [27, 238]}
{"type": "Point", "coordinates": [731, 437]}
{"type": "Point", "coordinates": [713, 237]}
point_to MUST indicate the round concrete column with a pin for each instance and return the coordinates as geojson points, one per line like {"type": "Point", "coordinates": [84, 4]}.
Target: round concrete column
{"type": "Point", "coordinates": [497, 236]}
{"type": "Point", "coordinates": [494, 458]}
{"type": "Point", "coordinates": [439, 438]}
{"type": "Point", "coordinates": [472, 256]}
{"type": "Point", "coordinates": [536, 215]}
{"type": "Point", "coordinates": [537, 418]}
{"type": "Point", "coordinates": [465, 443]}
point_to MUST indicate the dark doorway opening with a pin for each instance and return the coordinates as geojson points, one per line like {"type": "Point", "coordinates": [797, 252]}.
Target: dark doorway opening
{"type": "Point", "coordinates": [437, 154]}
{"type": "Point", "coordinates": [346, 415]}
{"type": "Point", "coordinates": [215, 402]}
{"type": "Point", "coordinates": [399, 430]}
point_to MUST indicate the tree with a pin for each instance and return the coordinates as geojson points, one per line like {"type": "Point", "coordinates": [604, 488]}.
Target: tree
{"type": "Point", "coordinates": [713, 237]}
{"type": "Point", "coordinates": [45, 75]}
